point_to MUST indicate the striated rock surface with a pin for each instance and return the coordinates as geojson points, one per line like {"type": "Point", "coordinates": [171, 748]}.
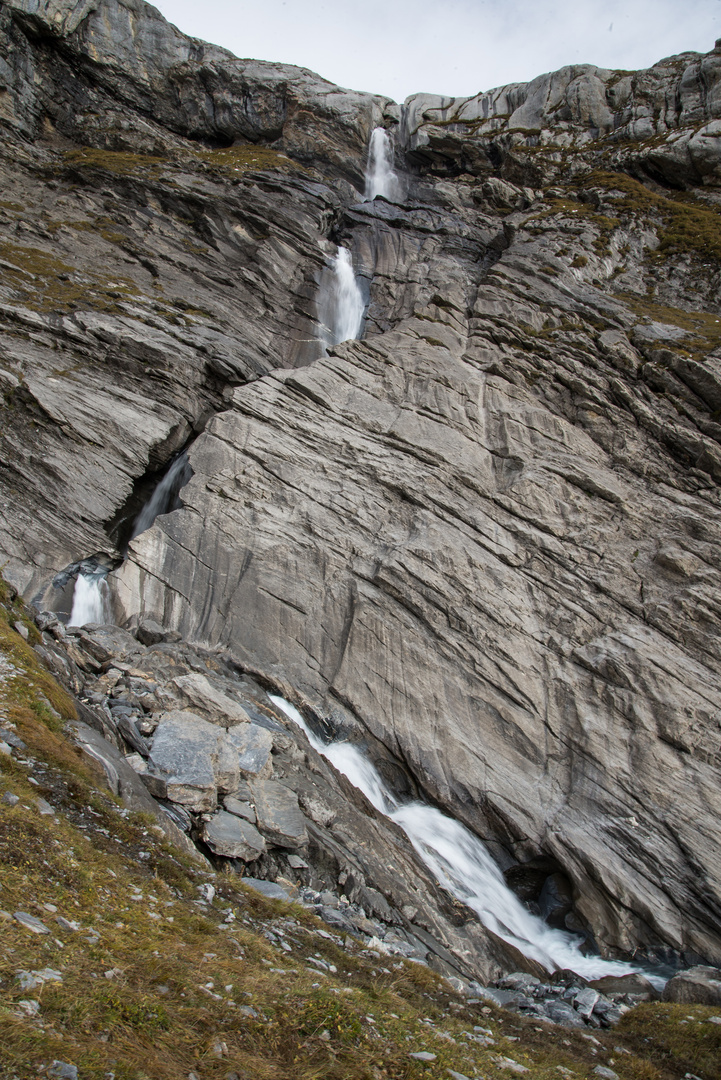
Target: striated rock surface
{"type": "Point", "coordinates": [484, 540]}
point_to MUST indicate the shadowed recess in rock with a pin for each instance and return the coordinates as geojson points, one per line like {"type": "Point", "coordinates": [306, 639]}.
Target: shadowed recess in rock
{"type": "Point", "coordinates": [165, 497]}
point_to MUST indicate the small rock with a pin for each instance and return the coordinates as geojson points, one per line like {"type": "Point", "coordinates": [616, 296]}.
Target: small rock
{"type": "Point", "coordinates": [9, 799]}
{"type": "Point", "coordinates": [423, 1055]}
{"type": "Point", "coordinates": [246, 1010]}
{"type": "Point", "coordinates": [44, 808]}
{"type": "Point", "coordinates": [67, 924]}
{"type": "Point", "coordinates": [4, 748]}
{"type": "Point", "coordinates": [296, 863]}
{"type": "Point", "coordinates": [31, 923]}
{"type": "Point", "coordinates": [207, 891]}
{"type": "Point", "coordinates": [510, 1064]}
{"type": "Point", "coordinates": [714, 1019]}
{"type": "Point", "coordinates": [29, 1007]}
{"type": "Point", "coordinates": [22, 630]}
{"type": "Point", "coordinates": [239, 808]}
{"type": "Point", "coordinates": [604, 1073]}
{"type": "Point", "coordinates": [456, 1075]}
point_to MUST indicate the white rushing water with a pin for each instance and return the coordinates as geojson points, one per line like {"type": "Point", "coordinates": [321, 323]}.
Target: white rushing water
{"type": "Point", "coordinates": [91, 600]}
{"type": "Point", "coordinates": [380, 176]}
{"type": "Point", "coordinates": [341, 306]}
{"type": "Point", "coordinates": [165, 496]}
{"type": "Point", "coordinates": [460, 862]}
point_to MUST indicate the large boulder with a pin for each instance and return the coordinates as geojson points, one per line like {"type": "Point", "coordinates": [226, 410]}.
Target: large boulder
{"type": "Point", "coordinates": [695, 986]}
{"type": "Point", "coordinates": [191, 760]}
{"type": "Point", "coordinates": [233, 837]}
{"type": "Point", "coordinates": [278, 814]}
{"type": "Point", "coordinates": [253, 745]}
{"type": "Point", "coordinates": [210, 701]}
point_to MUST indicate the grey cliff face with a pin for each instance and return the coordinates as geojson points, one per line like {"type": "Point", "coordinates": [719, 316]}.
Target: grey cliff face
{"type": "Point", "coordinates": [485, 537]}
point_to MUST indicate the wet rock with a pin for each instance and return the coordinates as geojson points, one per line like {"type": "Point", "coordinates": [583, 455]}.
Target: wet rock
{"type": "Point", "coordinates": [278, 814]}
{"type": "Point", "coordinates": [233, 837]}
{"type": "Point", "coordinates": [697, 985]}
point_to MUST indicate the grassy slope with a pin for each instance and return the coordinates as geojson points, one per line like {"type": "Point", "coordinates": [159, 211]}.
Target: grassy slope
{"type": "Point", "coordinates": [159, 986]}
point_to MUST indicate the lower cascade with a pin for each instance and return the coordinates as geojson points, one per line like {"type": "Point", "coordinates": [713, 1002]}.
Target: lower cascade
{"type": "Point", "coordinates": [341, 306]}
{"type": "Point", "coordinates": [91, 600]}
{"type": "Point", "coordinates": [462, 865]}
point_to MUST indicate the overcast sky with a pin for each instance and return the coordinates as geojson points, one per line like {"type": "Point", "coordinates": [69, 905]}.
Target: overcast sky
{"type": "Point", "coordinates": [455, 47]}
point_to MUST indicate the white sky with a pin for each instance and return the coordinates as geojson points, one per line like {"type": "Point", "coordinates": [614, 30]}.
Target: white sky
{"type": "Point", "coordinates": [455, 47]}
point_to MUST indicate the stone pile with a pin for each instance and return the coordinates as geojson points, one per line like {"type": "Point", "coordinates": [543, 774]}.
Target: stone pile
{"type": "Point", "coordinates": [183, 732]}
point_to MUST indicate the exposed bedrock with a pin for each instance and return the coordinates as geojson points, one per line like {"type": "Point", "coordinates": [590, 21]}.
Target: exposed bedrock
{"type": "Point", "coordinates": [486, 535]}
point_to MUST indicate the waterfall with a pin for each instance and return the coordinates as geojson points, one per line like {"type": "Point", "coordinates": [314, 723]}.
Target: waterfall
{"type": "Point", "coordinates": [165, 496]}
{"type": "Point", "coordinates": [341, 306]}
{"type": "Point", "coordinates": [91, 599]}
{"type": "Point", "coordinates": [459, 861]}
{"type": "Point", "coordinates": [381, 178]}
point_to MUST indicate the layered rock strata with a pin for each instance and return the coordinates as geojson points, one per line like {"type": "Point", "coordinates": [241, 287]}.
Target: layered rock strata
{"type": "Point", "coordinates": [486, 536]}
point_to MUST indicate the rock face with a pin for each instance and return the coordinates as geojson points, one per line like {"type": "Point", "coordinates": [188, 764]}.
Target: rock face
{"type": "Point", "coordinates": [485, 538]}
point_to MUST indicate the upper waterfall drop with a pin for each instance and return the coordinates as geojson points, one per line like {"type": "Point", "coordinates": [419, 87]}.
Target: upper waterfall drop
{"type": "Point", "coordinates": [381, 178]}
{"type": "Point", "coordinates": [459, 861]}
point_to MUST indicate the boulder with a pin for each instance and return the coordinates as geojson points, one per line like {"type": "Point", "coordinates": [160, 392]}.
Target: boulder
{"type": "Point", "coordinates": [563, 1013]}
{"type": "Point", "coordinates": [278, 814]}
{"type": "Point", "coordinates": [624, 984]}
{"type": "Point", "coordinates": [149, 632]}
{"type": "Point", "coordinates": [267, 888]}
{"type": "Point", "coordinates": [209, 701]}
{"type": "Point", "coordinates": [193, 759]}
{"type": "Point", "coordinates": [231, 836]}
{"type": "Point", "coordinates": [253, 745]}
{"type": "Point", "coordinates": [695, 986]}
{"type": "Point", "coordinates": [585, 1001]}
